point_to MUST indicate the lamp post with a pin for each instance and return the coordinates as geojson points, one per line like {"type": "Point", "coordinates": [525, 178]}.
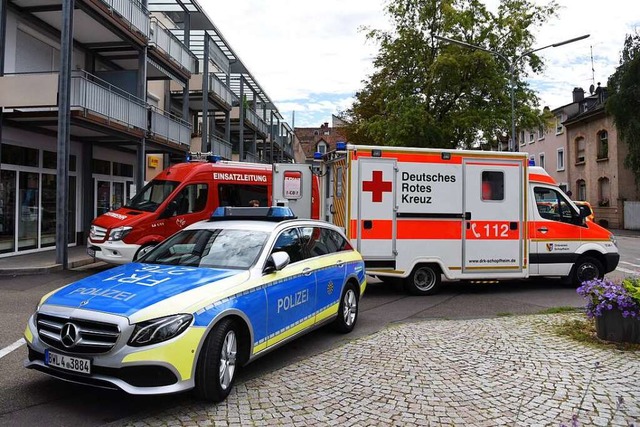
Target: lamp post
{"type": "Point", "coordinates": [512, 71]}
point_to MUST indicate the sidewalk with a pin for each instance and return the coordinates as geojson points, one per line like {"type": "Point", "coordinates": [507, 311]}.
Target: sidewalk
{"type": "Point", "coordinates": [43, 262]}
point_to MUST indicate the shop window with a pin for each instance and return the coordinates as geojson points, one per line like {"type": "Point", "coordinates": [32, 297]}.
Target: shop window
{"type": "Point", "coordinates": [603, 145]}
{"type": "Point", "coordinates": [21, 156]}
{"type": "Point", "coordinates": [50, 160]}
{"type": "Point", "coordinates": [102, 167]}
{"type": "Point", "coordinates": [122, 169]}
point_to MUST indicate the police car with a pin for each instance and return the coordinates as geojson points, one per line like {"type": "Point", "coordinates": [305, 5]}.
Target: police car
{"type": "Point", "coordinates": [204, 302]}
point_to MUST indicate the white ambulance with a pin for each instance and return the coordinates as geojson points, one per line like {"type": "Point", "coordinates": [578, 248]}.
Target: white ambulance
{"type": "Point", "coordinates": [416, 214]}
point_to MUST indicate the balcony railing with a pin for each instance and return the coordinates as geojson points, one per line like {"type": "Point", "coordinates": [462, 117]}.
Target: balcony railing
{"type": "Point", "coordinates": [251, 157]}
{"type": "Point", "coordinates": [164, 40]}
{"type": "Point", "coordinates": [133, 11]}
{"type": "Point", "coordinates": [221, 147]}
{"type": "Point", "coordinates": [218, 57]}
{"type": "Point", "coordinates": [91, 93]}
{"type": "Point", "coordinates": [253, 118]}
{"type": "Point", "coordinates": [170, 127]}
{"type": "Point", "coordinates": [221, 90]}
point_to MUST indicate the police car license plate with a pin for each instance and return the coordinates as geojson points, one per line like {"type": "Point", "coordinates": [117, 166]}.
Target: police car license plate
{"type": "Point", "coordinates": [68, 363]}
{"type": "Point", "coordinates": [91, 252]}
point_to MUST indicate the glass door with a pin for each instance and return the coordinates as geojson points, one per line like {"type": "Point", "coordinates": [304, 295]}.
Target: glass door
{"type": "Point", "coordinates": [7, 211]}
{"type": "Point", "coordinates": [103, 197]}
{"type": "Point", "coordinates": [29, 186]}
{"type": "Point", "coordinates": [48, 233]}
{"type": "Point", "coordinates": [118, 195]}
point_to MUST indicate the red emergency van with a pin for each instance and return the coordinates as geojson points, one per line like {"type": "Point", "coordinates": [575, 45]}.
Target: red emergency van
{"type": "Point", "coordinates": [188, 192]}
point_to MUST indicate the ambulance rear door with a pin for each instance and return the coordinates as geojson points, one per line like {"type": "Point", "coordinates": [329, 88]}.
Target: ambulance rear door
{"type": "Point", "coordinates": [292, 183]}
{"type": "Point", "coordinates": [494, 233]}
{"type": "Point", "coordinates": [374, 219]}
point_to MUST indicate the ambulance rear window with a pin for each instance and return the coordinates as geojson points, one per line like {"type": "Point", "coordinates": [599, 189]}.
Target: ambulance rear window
{"type": "Point", "coordinates": [492, 185]}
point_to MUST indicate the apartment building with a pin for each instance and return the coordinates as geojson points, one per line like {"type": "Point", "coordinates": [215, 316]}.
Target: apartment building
{"type": "Point", "coordinates": [581, 151]}
{"type": "Point", "coordinates": [144, 82]}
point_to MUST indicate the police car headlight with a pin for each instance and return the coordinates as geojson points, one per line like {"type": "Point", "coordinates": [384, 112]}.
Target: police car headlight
{"type": "Point", "coordinates": [159, 330]}
{"type": "Point", "coordinates": [119, 233]}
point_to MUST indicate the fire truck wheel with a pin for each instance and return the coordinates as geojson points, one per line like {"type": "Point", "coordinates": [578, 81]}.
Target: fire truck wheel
{"type": "Point", "coordinates": [144, 250]}
{"type": "Point", "coordinates": [424, 280]}
{"type": "Point", "coordinates": [216, 369]}
{"type": "Point", "coordinates": [587, 268]}
{"type": "Point", "coordinates": [348, 310]}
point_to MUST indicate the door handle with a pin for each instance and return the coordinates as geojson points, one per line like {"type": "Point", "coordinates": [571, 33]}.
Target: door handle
{"type": "Point", "coordinates": [543, 229]}
{"type": "Point", "coordinates": [306, 271]}
{"type": "Point", "coordinates": [339, 263]}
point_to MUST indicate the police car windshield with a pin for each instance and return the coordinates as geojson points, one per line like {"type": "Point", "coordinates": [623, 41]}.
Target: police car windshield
{"type": "Point", "coordinates": [152, 195]}
{"type": "Point", "coordinates": [218, 248]}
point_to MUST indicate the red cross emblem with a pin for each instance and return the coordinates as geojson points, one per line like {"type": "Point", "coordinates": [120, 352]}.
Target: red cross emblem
{"type": "Point", "coordinates": [377, 186]}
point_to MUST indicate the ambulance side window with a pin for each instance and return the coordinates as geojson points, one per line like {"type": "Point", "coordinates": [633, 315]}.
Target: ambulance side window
{"type": "Point", "coordinates": [492, 185]}
{"type": "Point", "coordinates": [553, 206]}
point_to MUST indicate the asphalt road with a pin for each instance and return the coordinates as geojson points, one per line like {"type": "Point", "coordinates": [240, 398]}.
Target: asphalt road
{"type": "Point", "coordinates": [31, 398]}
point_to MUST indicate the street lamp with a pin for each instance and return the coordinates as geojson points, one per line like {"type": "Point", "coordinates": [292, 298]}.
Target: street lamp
{"type": "Point", "coordinates": [512, 70]}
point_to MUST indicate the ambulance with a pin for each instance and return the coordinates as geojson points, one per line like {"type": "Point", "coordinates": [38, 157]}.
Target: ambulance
{"type": "Point", "coordinates": [416, 214]}
{"type": "Point", "coordinates": [189, 192]}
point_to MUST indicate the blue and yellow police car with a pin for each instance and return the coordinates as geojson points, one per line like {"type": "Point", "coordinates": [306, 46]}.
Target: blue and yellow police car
{"type": "Point", "coordinates": [209, 299]}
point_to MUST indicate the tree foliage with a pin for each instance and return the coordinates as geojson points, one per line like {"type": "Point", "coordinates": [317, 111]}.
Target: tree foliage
{"type": "Point", "coordinates": [431, 93]}
{"type": "Point", "coordinates": [623, 102]}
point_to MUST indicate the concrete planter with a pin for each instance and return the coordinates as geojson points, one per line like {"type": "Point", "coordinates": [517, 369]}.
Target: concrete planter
{"type": "Point", "coordinates": [612, 326]}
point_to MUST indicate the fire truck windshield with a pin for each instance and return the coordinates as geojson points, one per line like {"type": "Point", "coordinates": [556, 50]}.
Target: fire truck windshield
{"type": "Point", "coordinates": [152, 195]}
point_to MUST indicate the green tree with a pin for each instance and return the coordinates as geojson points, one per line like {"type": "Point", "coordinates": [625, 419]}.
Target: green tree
{"type": "Point", "coordinates": [623, 102]}
{"type": "Point", "coordinates": [429, 93]}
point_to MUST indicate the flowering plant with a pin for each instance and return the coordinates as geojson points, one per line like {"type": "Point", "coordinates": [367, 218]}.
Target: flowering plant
{"type": "Point", "coordinates": [603, 294]}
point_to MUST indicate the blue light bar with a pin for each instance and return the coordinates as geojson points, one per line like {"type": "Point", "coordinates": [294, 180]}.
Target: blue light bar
{"type": "Point", "coordinates": [532, 162]}
{"type": "Point", "coordinates": [317, 155]}
{"type": "Point", "coordinates": [341, 146]}
{"type": "Point", "coordinates": [273, 213]}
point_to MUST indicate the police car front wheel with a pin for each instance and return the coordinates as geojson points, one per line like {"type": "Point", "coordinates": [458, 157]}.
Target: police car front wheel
{"type": "Point", "coordinates": [216, 369]}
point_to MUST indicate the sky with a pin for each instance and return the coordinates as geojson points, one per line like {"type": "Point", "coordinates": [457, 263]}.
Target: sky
{"type": "Point", "coordinates": [311, 56]}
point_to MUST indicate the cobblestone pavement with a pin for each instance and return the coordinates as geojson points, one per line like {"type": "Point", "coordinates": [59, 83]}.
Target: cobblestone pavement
{"type": "Point", "coordinates": [486, 372]}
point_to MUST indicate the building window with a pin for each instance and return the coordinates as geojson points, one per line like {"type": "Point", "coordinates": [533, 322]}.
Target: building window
{"type": "Point", "coordinates": [532, 137]}
{"type": "Point", "coordinates": [603, 145]}
{"type": "Point", "coordinates": [122, 169]}
{"type": "Point", "coordinates": [560, 160]}
{"type": "Point", "coordinates": [541, 132]}
{"type": "Point", "coordinates": [580, 143]}
{"type": "Point", "coordinates": [604, 192]}
{"type": "Point", "coordinates": [541, 155]}
{"type": "Point", "coordinates": [559, 127]}
{"type": "Point", "coordinates": [20, 156]}
{"type": "Point", "coordinates": [34, 55]}
{"type": "Point", "coordinates": [521, 137]}
{"type": "Point", "coordinates": [581, 185]}
{"type": "Point", "coordinates": [321, 147]}
{"type": "Point", "coordinates": [102, 167]}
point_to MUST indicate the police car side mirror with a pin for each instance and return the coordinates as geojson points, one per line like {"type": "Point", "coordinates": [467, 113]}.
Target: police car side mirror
{"type": "Point", "coordinates": [276, 262]}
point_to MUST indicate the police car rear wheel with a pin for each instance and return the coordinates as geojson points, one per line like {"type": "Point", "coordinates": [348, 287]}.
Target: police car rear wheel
{"type": "Point", "coordinates": [348, 310]}
{"type": "Point", "coordinates": [423, 280]}
{"type": "Point", "coordinates": [215, 373]}
{"type": "Point", "coordinates": [587, 268]}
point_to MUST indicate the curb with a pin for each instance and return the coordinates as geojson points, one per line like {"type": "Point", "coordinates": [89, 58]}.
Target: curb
{"type": "Point", "coordinates": [46, 269]}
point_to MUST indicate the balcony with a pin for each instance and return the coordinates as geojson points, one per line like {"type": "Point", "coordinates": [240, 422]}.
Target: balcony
{"type": "Point", "coordinates": [221, 91]}
{"type": "Point", "coordinates": [170, 128]}
{"type": "Point", "coordinates": [251, 157]}
{"type": "Point", "coordinates": [254, 121]}
{"type": "Point", "coordinates": [163, 41]}
{"type": "Point", "coordinates": [220, 147]}
{"type": "Point", "coordinates": [131, 11]}
{"type": "Point", "coordinates": [90, 94]}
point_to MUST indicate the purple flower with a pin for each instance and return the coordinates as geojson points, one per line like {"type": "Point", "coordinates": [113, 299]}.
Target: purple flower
{"type": "Point", "coordinates": [603, 294]}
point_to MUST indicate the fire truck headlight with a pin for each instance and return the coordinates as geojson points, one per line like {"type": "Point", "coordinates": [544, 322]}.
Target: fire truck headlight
{"type": "Point", "coordinates": [159, 330]}
{"type": "Point", "coordinates": [119, 233]}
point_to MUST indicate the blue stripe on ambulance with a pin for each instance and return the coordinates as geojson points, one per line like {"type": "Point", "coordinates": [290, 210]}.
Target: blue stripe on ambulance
{"type": "Point", "coordinates": [132, 287]}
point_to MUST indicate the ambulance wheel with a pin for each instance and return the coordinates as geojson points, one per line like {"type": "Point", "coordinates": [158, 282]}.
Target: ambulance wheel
{"type": "Point", "coordinates": [144, 250]}
{"type": "Point", "coordinates": [216, 368]}
{"type": "Point", "coordinates": [348, 310]}
{"type": "Point", "coordinates": [424, 280]}
{"type": "Point", "coordinates": [587, 268]}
